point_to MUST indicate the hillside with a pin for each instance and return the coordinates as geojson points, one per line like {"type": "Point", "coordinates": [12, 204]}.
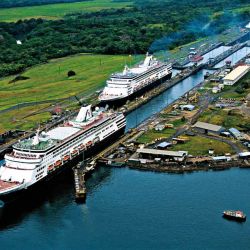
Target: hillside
{"type": "Point", "coordinates": [50, 81]}
{"type": "Point", "coordinates": [145, 26]}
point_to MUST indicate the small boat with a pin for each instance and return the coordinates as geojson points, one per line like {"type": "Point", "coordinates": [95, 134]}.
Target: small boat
{"type": "Point", "coordinates": [51, 168]}
{"type": "Point", "coordinates": [81, 147]}
{"type": "Point", "coordinates": [74, 152]}
{"type": "Point", "coordinates": [66, 157]}
{"type": "Point", "coordinates": [206, 75]}
{"type": "Point", "coordinates": [58, 163]}
{"type": "Point", "coordinates": [234, 215]}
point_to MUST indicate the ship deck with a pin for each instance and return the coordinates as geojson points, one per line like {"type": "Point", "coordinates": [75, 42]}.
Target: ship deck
{"type": "Point", "coordinates": [6, 185]}
{"type": "Point", "coordinates": [60, 134]}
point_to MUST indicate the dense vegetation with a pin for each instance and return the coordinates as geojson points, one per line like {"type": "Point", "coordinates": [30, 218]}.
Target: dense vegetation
{"type": "Point", "coordinates": [20, 3]}
{"type": "Point", "coordinates": [149, 25]}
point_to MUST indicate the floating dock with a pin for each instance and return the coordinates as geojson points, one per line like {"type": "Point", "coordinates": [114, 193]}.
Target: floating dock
{"type": "Point", "coordinates": [79, 177]}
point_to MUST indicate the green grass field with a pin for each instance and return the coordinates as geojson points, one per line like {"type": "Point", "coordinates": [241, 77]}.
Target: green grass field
{"type": "Point", "coordinates": [151, 135]}
{"type": "Point", "coordinates": [24, 118]}
{"type": "Point", "coordinates": [198, 145]}
{"type": "Point", "coordinates": [55, 11]}
{"type": "Point", "coordinates": [50, 81]}
{"type": "Point", "coordinates": [223, 118]}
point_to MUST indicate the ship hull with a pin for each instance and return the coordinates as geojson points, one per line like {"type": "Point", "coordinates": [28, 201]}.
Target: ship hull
{"type": "Point", "coordinates": [38, 187]}
{"type": "Point", "coordinates": [229, 217]}
{"type": "Point", "coordinates": [117, 102]}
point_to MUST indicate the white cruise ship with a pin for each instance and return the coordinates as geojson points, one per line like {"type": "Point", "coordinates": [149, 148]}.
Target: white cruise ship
{"type": "Point", "coordinates": [134, 81]}
{"type": "Point", "coordinates": [35, 159]}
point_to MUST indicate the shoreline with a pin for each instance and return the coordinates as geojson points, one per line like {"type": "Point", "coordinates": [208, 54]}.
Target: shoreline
{"type": "Point", "coordinates": [178, 168]}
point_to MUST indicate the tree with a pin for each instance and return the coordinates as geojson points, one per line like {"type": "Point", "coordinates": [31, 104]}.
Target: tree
{"type": "Point", "coordinates": [71, 73]}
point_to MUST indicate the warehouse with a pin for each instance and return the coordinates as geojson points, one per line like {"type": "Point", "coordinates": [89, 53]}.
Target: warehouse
{"type": "Point", "coordinates": [236, 133]}
{"type": "Point", "coordinates": [236, 75]}
{"type": "Point", "coordinates": [148, 153]}
{"type": "Point", "coordinates": [207, 127]}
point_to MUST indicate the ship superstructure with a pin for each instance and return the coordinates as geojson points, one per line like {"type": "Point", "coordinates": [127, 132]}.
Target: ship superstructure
{"type": "Point", "coordinates": [125, 85]}
{"type": "Point", "coordinates": [34, 159]}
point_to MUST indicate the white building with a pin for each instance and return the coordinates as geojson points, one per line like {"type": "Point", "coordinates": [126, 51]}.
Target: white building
{"type": "Point", "coordinates": [236, 75]}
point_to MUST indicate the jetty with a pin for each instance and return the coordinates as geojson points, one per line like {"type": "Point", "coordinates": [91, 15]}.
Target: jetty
{"type": "Point", "coordinates": [79, 177]}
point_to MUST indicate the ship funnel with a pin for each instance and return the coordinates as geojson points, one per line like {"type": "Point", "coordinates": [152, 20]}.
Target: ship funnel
{"type": "Point", "coordinates": [36, 138]}
{"type": "Point", "coordinates": [147, 60]}
{"type": "Point", "coordinates": [126, 69]}
{"type": "Point", "coordinates": [84, 114]}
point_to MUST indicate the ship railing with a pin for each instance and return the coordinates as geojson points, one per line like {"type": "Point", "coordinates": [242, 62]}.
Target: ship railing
{"type": "Point", "coordinates": [23, 157]}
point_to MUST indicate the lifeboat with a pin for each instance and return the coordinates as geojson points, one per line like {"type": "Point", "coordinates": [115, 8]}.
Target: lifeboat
{"type": "Point", "coordinates": [50, 168]}
{"type": "Point", "coordinates": [58, 163]}
{"type": "Point", "coordinates": [66, 157]}
{"type": "Point", "coordinates": [89, 143]}
{"type": "Point", "coordinates": [81, 147]}
{"type": "Point", "coordinates": [74, 152]}
{"type": "Point", "coordinates": [97, 139]}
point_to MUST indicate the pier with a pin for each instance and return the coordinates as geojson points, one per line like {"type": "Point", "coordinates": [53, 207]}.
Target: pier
{"type": "Point", "coordinates": [79, 177]}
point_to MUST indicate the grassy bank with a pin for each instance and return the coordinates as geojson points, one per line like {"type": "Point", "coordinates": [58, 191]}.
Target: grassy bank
{"type": "Point", "coordinates": [151, 135]}
{"type": "Point", "coordinates": [223, 117]}
{"type": "Point", "coordinates": [198, 145]}
{"type": "Point", "coordinates": [50, 81]}
{"type": "Point", "coordinates": [24, 118]}
{"type": "Point", "coordinates": [55, 11]}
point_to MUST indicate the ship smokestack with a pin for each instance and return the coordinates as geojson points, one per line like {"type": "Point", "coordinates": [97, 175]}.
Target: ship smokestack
{"type": "Point", "coordinates": [84, 114]}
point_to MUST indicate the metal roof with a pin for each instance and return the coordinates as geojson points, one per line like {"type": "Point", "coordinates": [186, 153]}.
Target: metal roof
{"type": "Point", "coordinates": [234, 131]}
{"type": "Point", "coordinates": [237, 72]}
{"type": "Point", "coordinates": [244, 154]}
{"type": "Point", "coordinates": [219, 158]}
{"type": "Point", "coordinates": [188, 106]}
{"type": "Point", "coordinates": [164, 144]}
{"type": "Point", "coordinates": [208, 126]}
{"type": "Point", "coordinates": [61, 133]}
{"type": "Point", "coordinates": [162, 152]}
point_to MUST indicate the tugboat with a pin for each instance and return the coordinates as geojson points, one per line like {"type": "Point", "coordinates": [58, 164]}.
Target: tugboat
{"type": "Point", "coordinates": [234, 215]}
{"type": "Point", "coordinates": [206, 75]}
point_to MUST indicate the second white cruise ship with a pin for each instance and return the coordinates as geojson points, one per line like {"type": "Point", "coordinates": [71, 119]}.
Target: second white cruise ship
{"type": "Point", "coordinates": [134, 81]}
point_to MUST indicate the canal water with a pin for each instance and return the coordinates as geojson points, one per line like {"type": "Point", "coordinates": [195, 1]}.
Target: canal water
{"type": "Point", "coordinates": [235, 57]}
{"type": "Point", "coordinates": [128, 209]}
{"type": "Point", "coordinates": [211, 54]}
{"type": "Point", "coordinates": [161, 101]}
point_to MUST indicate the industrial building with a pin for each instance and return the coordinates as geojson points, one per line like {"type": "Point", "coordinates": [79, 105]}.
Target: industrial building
{"type": "Point", "coordinates": [148, 153]}
{"type": "Point", "coordinates": [207, 127]}
{"type": "Point", "coordinates": [164, 145]}
{"type": "Point", "coordinates": [236, 133]}
{"type": "Point", "coordinates": [244, 155]}
{"type": "Point", "coordinates": [187, 107]}
{"type": "Point", "coordinates": [222, 158]}
{"type": "Point", "coordinates": [236, 75]}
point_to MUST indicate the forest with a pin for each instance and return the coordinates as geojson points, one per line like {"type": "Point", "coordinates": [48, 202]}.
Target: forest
{"type": "Point", "coordinates": [147, 26]}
